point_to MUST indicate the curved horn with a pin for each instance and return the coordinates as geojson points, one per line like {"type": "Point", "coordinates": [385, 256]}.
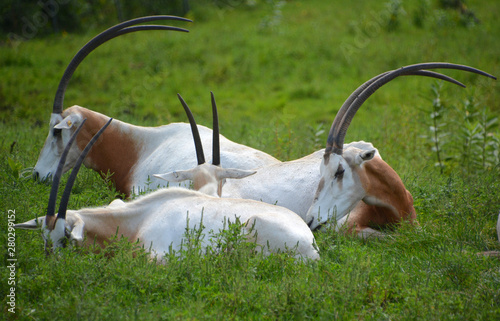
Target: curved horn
{"type": "Point", "coordinates": [115, 31]}
{"type": "Point", "coordinates": [63, 206]}
{"type": "Point", "coordinates": [345, 115]}
{"type": "Point", "coordinates": [360, 89]}
{"type": "Point", "coordinates": [215, 137]}
{"type": "Point", "coordinates": [194, 129]}
{"type": "Point", "coordinates": [57, 175]}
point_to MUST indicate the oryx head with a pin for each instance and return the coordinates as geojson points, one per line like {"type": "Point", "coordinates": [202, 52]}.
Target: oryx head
{"type": "Point", "coordinates": [64, 124]}
{"type": "Point", "coordinates": [56, 230]}
{"type": "Point", "coordinates": [61, 129]}
{"type": "Point", "coordinates": [207, 178]}
{"type": "Point", "coordinates": [353, 174]}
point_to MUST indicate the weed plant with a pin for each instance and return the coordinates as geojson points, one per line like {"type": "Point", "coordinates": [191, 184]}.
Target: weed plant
{"type": "Point", "coordinates": [470, 142]}
{"type": "Point", "coordinates": [278, 90]}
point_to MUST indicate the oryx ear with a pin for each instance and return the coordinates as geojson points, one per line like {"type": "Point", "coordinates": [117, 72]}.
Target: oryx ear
{"type": "Point", "coordinates": [365, 155]}
{"type": "Point", "coordinates": [223, 173]}
{"type": "Point", "coordinates": [33, 224]}
{"type": "Point", "coordinates": [176, 176]}
{"type": "Point", "coordinates": [68, 122]}
{"type": "Point", "coordinates": [77, 232]}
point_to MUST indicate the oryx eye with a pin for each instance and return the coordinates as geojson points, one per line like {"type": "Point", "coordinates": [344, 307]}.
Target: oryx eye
{"type": "Point", "coordinates": [56, 132]}
{"type": "Point", "coordinates": [339, 174]}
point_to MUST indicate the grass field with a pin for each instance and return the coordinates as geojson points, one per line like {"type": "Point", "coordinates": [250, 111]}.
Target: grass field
{"type": "Point", "coordinates": [279, 71]}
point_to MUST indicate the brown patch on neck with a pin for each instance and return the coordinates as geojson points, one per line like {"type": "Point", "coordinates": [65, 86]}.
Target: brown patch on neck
{"type": "Point", "coordinates": [115, 152]}
{"type": "Point", "coordinates": [381, 181]}
{"type": "Point", "coordinates": [101, 225]}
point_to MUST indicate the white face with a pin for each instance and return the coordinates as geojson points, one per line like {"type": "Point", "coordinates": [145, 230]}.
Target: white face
{"type": "Point", "coordinates": [53, 239]}
{"type": "Point", "coordinates": [58, 236]}
{"type": "Point", "coordinates": [66, 232]}
{"type": "Point", "coordinates": [59, 133]}
{"type": "Point", "coordinates": [340, 187]}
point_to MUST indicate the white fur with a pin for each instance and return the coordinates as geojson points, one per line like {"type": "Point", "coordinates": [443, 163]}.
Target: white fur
{"type": "Point", "coordinates": [294, 184]}
{"type": "Point", "coordinates": [162, 149]}
{"type": "Point", "coordinates": [158, 220]}
{"type": "Point", "coordinates": [290, 184]}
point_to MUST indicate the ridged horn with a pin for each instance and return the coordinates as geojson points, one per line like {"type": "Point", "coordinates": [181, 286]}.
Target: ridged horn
{"type": "Point", "coordinates": [194, 129]}
{"type": "Point", "coordinates": [359, 90]}
{"type": "Point", "coordinates": [115, 31]}
{"type": "Point", "coordinates": [215, 137]}
{"type": "Point", "coordinates": [63, 205]}
{"type": "Point", "coordinates": [346, 113]}
{"type": "Point", "coordinates": [57, 175]}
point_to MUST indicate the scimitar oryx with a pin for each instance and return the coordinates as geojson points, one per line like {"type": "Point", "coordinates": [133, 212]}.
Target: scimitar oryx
{"type": "Point", "coordinates": [347, 182]}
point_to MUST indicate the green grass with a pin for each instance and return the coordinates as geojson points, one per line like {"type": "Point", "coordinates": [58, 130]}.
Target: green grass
{"type": "Point", "coordinates": [274, 84]}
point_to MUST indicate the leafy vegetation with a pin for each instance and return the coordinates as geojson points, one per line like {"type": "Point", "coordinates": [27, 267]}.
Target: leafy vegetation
{"type": "Point", "coordinates": [475, 146]}
{"type": "Point", "coordinates": [280, 70]}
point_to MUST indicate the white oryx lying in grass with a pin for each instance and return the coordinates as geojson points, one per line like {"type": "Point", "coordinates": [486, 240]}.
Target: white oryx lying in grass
{"type": "Point", "coordinates": [159, 219]}
{"type": "Point", "coordinates": [131, 153]}
{"type": "Point", "coordinates": [351, 182]}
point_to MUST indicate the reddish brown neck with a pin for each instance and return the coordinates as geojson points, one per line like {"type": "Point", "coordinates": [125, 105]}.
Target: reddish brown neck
{"type": "Point", "coordinates": [381, 181]}
{"type": "Point", "coordinates": [115, 152]}
{"type": "Point", "coordinates": [101, 225]}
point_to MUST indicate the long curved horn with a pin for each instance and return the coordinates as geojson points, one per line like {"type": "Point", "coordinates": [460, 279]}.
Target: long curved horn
{"type": "Point", "coordinates": [63, 206]}
{"type": "Point", "coordinates": [360, 89]}
{"type": "Point", "coordinates": [115, 31]}
{"type": "Point", "coordinates": [194, 129]}
{"type": "Point", "coordinates": [57, 175]}
{"type": "Point", "coordinates": [215, 137]}
{"type": "Point", "coordinates": [341, 122]}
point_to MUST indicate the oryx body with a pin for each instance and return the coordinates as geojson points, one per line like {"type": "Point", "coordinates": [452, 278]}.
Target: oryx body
{"type": "Point", "coordinates": [281, 183]}
{"type": "Point", "coordinates": [348, 182]}
{"type": "Point", "coordinates": [133, 153]}
{"type": "Point", "coordinates": [159, 220]}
